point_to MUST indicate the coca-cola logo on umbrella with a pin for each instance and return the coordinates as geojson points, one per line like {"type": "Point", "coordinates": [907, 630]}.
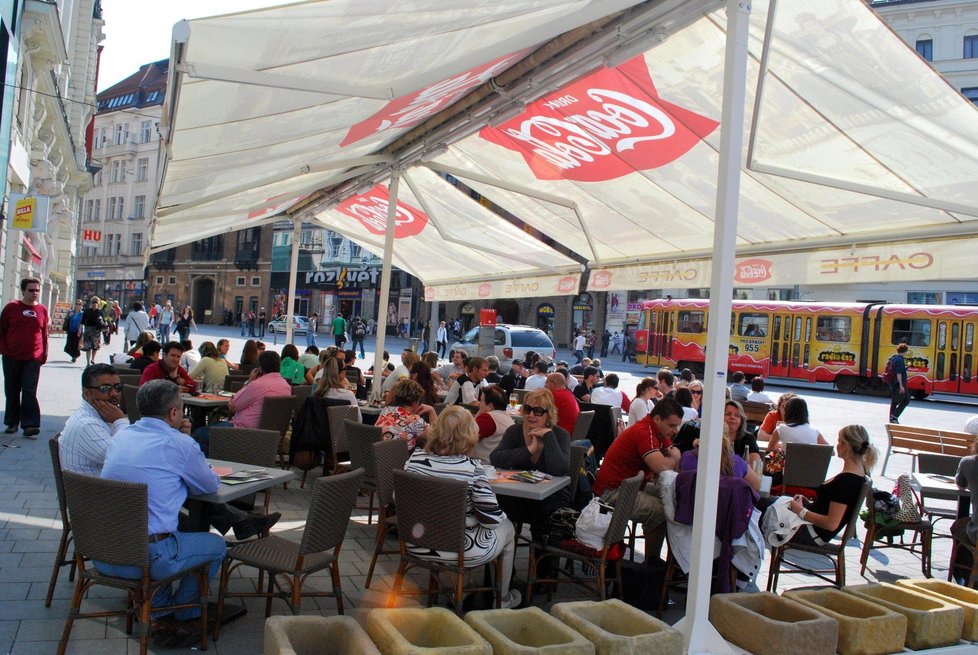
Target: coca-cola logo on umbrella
{"type": "Point", "coordinates": [601, 279]}
{"type": "Point", "coordinates": [429, 293]}
{"type": "Point", "coordinates": [605, 126]}
{"type": "Point", "coordinates": [371, 210]}
{"type": "Point", "coordinates": [407, 111]}
{"type": "Point", "coordinates": [567, 284]}
{"type": "Point", "coordinates": [485, 290]}
{"type": "Point", "coordinates": [753, 271]}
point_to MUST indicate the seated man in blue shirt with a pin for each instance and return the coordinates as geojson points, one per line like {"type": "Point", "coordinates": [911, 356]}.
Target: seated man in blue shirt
{"type": "Point", "coordinates": [157, 450]}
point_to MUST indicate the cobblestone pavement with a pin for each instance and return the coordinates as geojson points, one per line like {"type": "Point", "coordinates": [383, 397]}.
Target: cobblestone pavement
{"type": "Point", "coordinates": [30, 528]}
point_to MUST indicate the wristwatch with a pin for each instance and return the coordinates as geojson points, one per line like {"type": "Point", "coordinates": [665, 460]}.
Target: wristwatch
{"type": "Point", "coordinates": [803, 513]}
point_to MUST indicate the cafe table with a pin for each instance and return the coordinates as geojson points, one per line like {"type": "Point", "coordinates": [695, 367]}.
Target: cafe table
{"type": "Point", "coordinates": [198, 406]}
{"type": "Point", "coordinates": [943, 487]}
{"type": "Point", "coordinates": [502, 485]}
{"type": "Point", "coordinates": [197, 504]}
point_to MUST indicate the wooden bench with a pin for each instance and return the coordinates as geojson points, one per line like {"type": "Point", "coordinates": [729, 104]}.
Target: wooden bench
{"type": "Point", "coordinates": [756, 412]}
{"type": "Point", "coordinates": [911, 440]}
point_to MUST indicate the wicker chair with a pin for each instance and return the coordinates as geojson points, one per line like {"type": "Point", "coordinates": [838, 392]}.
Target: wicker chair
{"type": "Point", "coordinates": [129, 392]}
{"type": "Point", "coordinates": [389, 456]}
{"type": "Point", "coordinates": [109, 522]}
{"type": "Point", "coordinates": [290, 563]}
{"type": "Point", "coordinates": [231, 378]}
{"type": "Point", "coordinates": [439, 408]}
{"type": "Point", "coordinates": [834, 551]}
{"type": "Point", "coordinates": [879, 537]}
{"type": "Point", "coordinates": [130, 378]}
{"type": "Point", "coordinates": [443, 530]}
{"type": "Point", "coordinates": [251, 447]}
{"type": "Point", "coordinates": [521, 394]}
{"type": "Point", "coordinates": [338, 415]}
{"type": "Point", "coordinates": [61, 559]}
{"type": "Point", "coordinates": [805, 466]}
{"type": "Point", "coordinates": [577, 456]}
{"type": "Point", "coordinates": [300, 392]}
{"type": "Point", "coordinates": [938, 464]}
{"type": "Point", "coordinates": [596, 560]}
{"type": "Point", "coordinates": [360, 438]}
{"type": "Point", "coordinates": [582, 425]}
{"type": "Point", "coordinates": [276, 414]}
{"type": "Point", "coordinates": [960, 540]}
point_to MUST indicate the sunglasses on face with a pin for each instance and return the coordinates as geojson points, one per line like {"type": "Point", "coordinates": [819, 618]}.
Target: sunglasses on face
{"type": "Point", "coordinates": [106, 388]}
{"type": "Point", "coordinates": [536, 411]}
{"type": "Point", "coordinates": [696, 392]}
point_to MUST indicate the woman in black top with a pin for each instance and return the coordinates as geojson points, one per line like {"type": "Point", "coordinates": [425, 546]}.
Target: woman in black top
{"type": "Point", "coordinates": [744, 443]}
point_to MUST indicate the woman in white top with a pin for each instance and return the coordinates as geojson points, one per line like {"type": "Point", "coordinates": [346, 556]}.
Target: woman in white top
{"type": "Point", "coordinates": [642, 404]}
{"type": "Point", "coordinates": [796, 428]}
{"type": "Point", "coordinates": [331, 385]}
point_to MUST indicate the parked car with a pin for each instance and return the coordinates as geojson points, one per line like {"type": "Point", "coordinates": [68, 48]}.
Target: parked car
{"type": "Point", "coordinates": [300, 325]}
{"type": "Point", "coordinates": [511, 342]}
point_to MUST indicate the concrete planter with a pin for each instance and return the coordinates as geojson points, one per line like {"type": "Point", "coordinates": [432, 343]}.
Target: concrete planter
{"type": "Point", "coordinates": [865, 628]}
{"type": "Point", "coordinates": [417, 631]}
{"type": "Point", "coordinates": [308, 635]}
{"type": "Point", "coordinates": [529, 631]}
{"type": "Point", "coordinates": [955, 594]}
{"type": "Point", "coordinates": [931, 622]}
{"type": "Point", "coordinates": [617, 628]}
{"type": "Point", "coordinates": [767, 624]}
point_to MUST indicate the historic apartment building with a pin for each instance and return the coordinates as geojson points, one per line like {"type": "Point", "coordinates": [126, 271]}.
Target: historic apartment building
{"type": "Point", "coordinates": [48, 102]}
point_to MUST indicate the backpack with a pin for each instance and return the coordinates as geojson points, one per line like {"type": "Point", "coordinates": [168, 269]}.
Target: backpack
{"type": "Point", "coordinates": [889, 372]}
{"type": "Point", "coordinates": [359, 330]}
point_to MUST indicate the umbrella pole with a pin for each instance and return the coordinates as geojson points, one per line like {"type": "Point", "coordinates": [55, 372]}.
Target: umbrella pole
{"type": "Point", "coordinates": [293, 278]}
{"type": "Point", "coordinates": [385, 287]}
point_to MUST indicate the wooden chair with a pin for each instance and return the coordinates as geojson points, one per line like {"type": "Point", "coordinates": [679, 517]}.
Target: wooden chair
{"type": "Point", "coordinates": [582, 425]}
{"type": "Point", "coordinates": [129, 398]}
{"type": "Point", "coordinates": [109, 522]}
{"type": "Point", "coordinates": [756, 412]}
{"type": "Point", "coordinates": [879, 537]}
{"type": "Point", "coordinates": [360, 438]}
{"type": "Point", "coordinates": [251, 447]}
{"type": "Point", "coordinates": [290, 563]}
{"type": "Point", "coordinates": [913, 441]}
{"type": "Point", "coordinates": [61, 559]}
{"type": "Point", "coordinates": [834, 551]}
{"type": "Point", "coordinates": [389, 456]}
{"type": "Point", "coordinates": [442, 530]}
{"type": "Point", "coordinates": [595, 560]}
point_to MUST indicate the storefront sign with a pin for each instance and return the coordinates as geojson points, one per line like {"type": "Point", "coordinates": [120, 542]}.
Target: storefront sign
{"type": "Point", "coordinates": [487, 316]}
{"type": "Point", "coordinates": [95, 274]}
{"type": "Point", "coordinates": [28, 212]}
{"type": "Point", "coordinates": [582, 308]}
{"type": "Point", "coordinates": [342, 277]}
{"type": "Point", "coordinates": [91, 237]}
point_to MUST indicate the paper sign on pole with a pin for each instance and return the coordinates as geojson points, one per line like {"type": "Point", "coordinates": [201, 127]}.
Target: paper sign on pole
{"type": "Point", "coordinates": [28, 212]}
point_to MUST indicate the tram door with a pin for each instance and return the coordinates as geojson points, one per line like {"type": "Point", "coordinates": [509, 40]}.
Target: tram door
{"type": "Point", "coordinates": [954, 368]}
{"type": "Point", "coordinates": [786, 346]}
{"type": "Point", "coordinates": [660, 336]}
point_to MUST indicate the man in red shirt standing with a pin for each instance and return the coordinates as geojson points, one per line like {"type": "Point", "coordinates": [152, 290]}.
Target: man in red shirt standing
{"type": "Point", "coordinates": [24, 347]}
{"type": "Point", "coordinates": [168, 368]}
{"type": "Point", "coordinates": [565, 402]}
{"type": "Point", "coordinates": [644, 447]}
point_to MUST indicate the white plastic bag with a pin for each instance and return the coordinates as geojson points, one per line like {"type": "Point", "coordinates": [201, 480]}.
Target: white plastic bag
{"type": "Point", "coordinates": [592, 524]}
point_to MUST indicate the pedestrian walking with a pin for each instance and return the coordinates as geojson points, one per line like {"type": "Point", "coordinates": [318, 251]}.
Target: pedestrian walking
{"type": "Point", "coordinates": [108, 317]}
{"type": "Point", "coordinates": [358, 332]}
{"type": "Point", "coordinates": [24, 349]}
{"type": "Point", "coordinates": [251, 324]}
{"type": "Point", "coordinates": [615, 343]}
{"type": "Point", "coordinates": [899, 394]}
{"type": "Point", "coordinates": [167, 319]}
{"type": "Point", "coordinates": [92, 325]}
{"type": "Point", "coordinates": [262, 317]}
{"type": "Point", "coordinates": [313, 328]}
{"type": "Point", "coordinates": [592, 342]}
{"type": "Point", "coordinates": [338, 330]}
{"type": "Point", "coordinates": [137, 322]}
{"type": "Point", "coordinates": [605, 342]}
{"type": "Point", "coordinates": [579, 342]}
{"type": "Point", "coordinates": [442, 338]}
{"type": "Point", "coordinates": [185, 322]}
{"type": "Point", "coordinates": [72, 329]}
{"type": "Point", "coordinates": [244, 322]}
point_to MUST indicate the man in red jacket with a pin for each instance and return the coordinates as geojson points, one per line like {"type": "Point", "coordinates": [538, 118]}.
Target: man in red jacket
{"type": "Point", "coordinates": [168, 368]}
{"type": "Point", "coordinates": [24, 347]}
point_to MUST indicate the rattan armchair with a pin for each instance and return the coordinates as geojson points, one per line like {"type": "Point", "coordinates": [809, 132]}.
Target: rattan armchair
{"type": "Point", "coordinates": [582, 425]}
{"type": "Point", "coordinates": [834, 551]}
{"type": "Point", "coordinates": [891, 536]}
{"type": "Point", "coordinates": [360, 438]}
{"type": "Point", "coordinates": [129, 392]}
{"type": "Point", "coordinates": [276, 414]}
{"type": "Point", "coordinates": [109, 523]}
{"type": "Point", "coordinates": [442, 530]}
{"type": "Point", "coordinates": [251, 447]}
{"type": "Point", "coordinates": [338, 415]}
{"type": "Point", "coordinates": [61, 559]}
{"type": "Point", "coordinates": [289, 563]}
{"type": "Point", "coordinates": [596, 560]}
{"type": "Point", "coordinates": [389, 456]}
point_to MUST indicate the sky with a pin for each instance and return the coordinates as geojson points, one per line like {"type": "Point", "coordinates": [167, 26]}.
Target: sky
{"type": "Point", "coordinates": [139, 31]}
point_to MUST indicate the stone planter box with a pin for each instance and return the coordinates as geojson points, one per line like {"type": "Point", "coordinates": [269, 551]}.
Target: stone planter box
{"type": "Point", "coordinates": [767, 624]}
{"type": "Point", "coordinates": [527, 631]}
{"type": "Point", "coordinates": [417, 631]}
{"type": "Point", "coordinates": [617, 628]}
{"type": "Point", "coordinates": [309, 635]}
{"type": "Point", "coordinates": [931, 622]}
{"type": "Point", "coordinates": [865, 628]}
{"type": "Point", "coordinates": [963, 597]}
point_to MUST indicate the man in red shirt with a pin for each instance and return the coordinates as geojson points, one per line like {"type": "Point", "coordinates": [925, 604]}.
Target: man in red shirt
{"type": "Point", "coordinates": [644, 447]}
{"type": "Point", "coordinates": [168, 368]}
{"type": "Point", "coordinates": [567, 407]}
{"type": "Point", "coordinates": [24, 347]}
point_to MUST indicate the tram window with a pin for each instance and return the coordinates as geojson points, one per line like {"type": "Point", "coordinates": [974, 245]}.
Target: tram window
{"type": "Point", "coordinates": [911, 331]}
{"type": "Point", "coordinates": [642, 322]}
{"type": "Point", "coordinates": [691, 321]}
{"type": "Point", "coordinates": [753, 325]}
{"type": "Point", "coordinates": [966, 369]}
{"type": "Point", "coordinates": [797, 330]}
{"type": "Point", "coordinates": [941, 362]}
{"type": "Point", "coordinates": [833, 328]}
{"type": "Point", "coordinates": [777, 328]}
{"type": "Point", "coordinates": [795, 351]}
{"type": "Point", "coordinates": [955, 335]}
{"type": "Point", "coordinates": [774, 353]}
{"type": "Point", "coordinates": [953, 370]}
{"type": "Point", "coordinates": [808, 352]}
{"type": "Point", "coordinates": [808, 329]}
{"type": "Point", "coordinates": [969, 337]}
{"type": "Point", "coordinates": [942, 335]}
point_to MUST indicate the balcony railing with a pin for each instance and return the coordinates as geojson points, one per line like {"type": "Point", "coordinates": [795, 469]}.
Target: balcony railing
{"type": "Point", "coordinates": [163, 261]}
{"type": "Point", "coordinates": [246, 259]}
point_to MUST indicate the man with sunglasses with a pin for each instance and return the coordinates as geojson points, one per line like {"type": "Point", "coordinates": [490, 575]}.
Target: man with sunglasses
{"type": "Point", "coordinates": [87, 434]}
{"type": "Point", "coordinates": [24, 347]}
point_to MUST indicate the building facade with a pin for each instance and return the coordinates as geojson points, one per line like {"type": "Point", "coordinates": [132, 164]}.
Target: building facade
{"type": "Point", "coordinates": [50, 104]}
{"type": "Point", "coordinates": [115, 213]}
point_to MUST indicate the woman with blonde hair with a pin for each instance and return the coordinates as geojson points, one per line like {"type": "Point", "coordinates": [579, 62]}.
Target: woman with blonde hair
{"type": "Point", "coordinates": [696, 389]}
{"type": "Point", "coordinates": [489, 533]}
{"type": "Point", "coordinates": [332, 384]}
{"type": "Point", "coordinates": [211, 368]}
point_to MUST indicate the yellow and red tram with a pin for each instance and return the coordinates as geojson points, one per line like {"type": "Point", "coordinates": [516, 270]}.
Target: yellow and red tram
{"type": "Point", "coordinates": [847, 344]}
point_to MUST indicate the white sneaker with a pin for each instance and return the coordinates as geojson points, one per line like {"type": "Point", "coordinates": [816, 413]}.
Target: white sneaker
{"type": "Point", "coordinates": [512, 599]}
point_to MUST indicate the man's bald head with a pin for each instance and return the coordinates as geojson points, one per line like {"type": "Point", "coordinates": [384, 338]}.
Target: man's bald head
{"type": "Point", "coordinates": [555, 381]}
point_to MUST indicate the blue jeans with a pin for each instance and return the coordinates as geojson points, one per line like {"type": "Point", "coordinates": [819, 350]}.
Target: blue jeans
{"type": "Point", "coordinates": [165, 332]}
{"type": "Point", "coordinates": [579, 356]}
{"type": "Point", "coordinates": [359, 342]}
{"type": "Point", "coordinates": [181, 551]}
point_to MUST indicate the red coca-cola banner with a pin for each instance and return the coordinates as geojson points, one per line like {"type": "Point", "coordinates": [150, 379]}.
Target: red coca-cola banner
{"type": "Point", "coordinates": [408, 111]}
{"type": "Point", "coordinates": [753, 271]}
{"type": "Point", "coordinates": [371, 210]}
{"type": "Point", "coordinates": [602, 127]}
